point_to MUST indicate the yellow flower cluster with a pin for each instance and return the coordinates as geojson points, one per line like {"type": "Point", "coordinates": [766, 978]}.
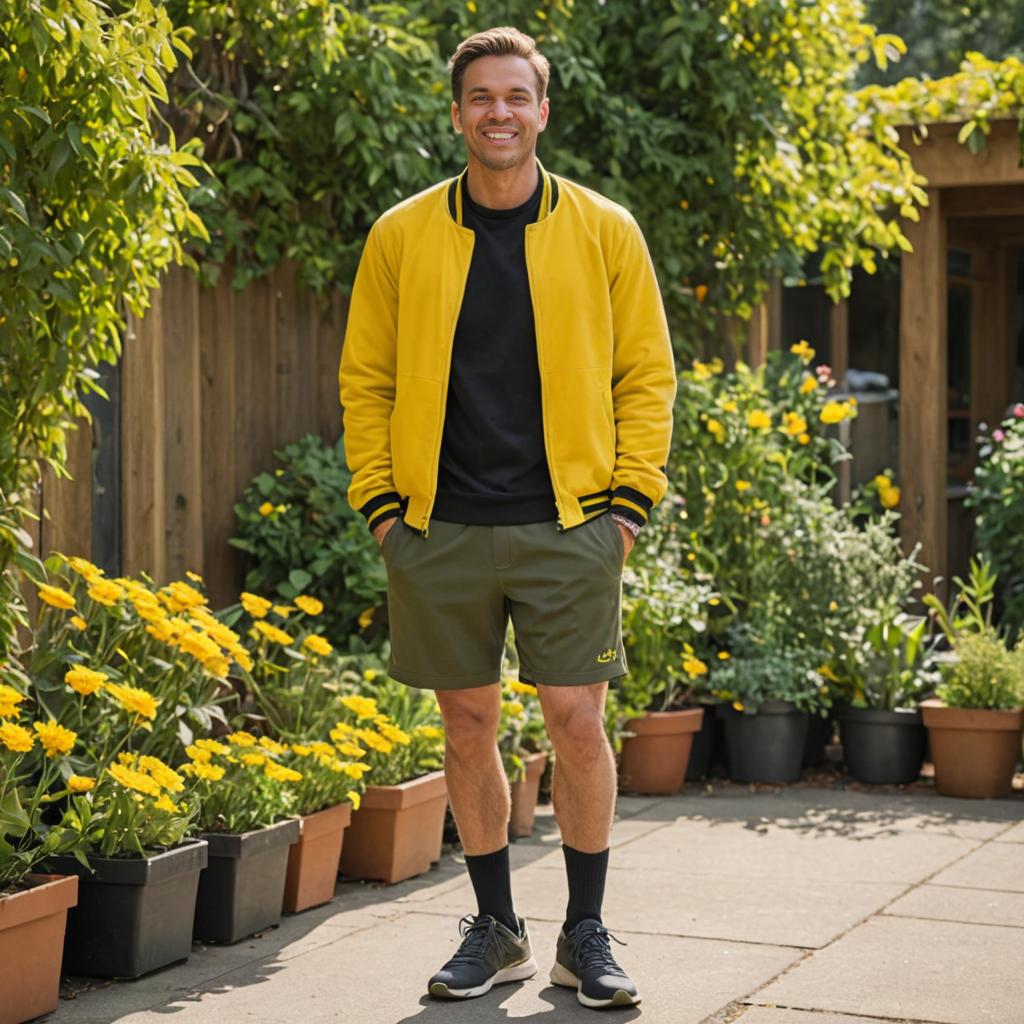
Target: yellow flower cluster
{"type": "Point", "coordinates": [361, 707]}
{"type": "Point", "coordinates": [525, 688]}
{"type": "Point", "coordinates": [146, 775]}
{"type": "Point", "coordinates": [271, 632]}
{"type": "Point", "coordinates": [9, 701]}
{"type": "Point", "coordinates": [309, 605]}
{"type": "Point", "coordinates": [888, 492]}
{"type": "Point", "coordinates": [56, 597]}
{"type": "Point", "coordinates": [54, 738]}
{"type": "Point", "coordinates": [803, 350]}
{"type": "Point", "coordinates": [139, 702]}
{"type": "Point", "coordinates": [836, 411]}
{"type": "Point", "coordinates": [15, 737]}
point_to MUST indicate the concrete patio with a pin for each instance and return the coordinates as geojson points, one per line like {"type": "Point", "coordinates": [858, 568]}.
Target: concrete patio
{"type": "Point", "coordinates": [768, 906]}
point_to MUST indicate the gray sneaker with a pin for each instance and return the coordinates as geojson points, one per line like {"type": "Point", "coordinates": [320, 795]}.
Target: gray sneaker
{"type": "Point", "coordinates": [489, 955]}
{"type": "Point", "coordinates": [584, 961]}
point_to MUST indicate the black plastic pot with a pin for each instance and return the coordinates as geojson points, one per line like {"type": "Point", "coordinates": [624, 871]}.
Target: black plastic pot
{"type": "Point", "coordinates": [882, 746]}
{"type": "Point", "coordinates": [134, 914]}
{"type": "Point", "coordinates": [241, 890]}
{"type": "Point", "coordinates": [767, 746]}
{"type": "Point", "coordinates": [707, 751]}
{"type": "Point", "coordinates": [819, 732]}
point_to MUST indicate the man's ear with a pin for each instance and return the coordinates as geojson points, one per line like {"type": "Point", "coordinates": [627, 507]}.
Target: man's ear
{"type": "Point", "coordinates": [456, 118]}
{"type": "Point", "coordinates": [544, 110]}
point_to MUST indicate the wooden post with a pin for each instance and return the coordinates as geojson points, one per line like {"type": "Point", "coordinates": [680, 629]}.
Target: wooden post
{"type": "Point", "coordinates": [67, 503]}
{"type": "Point", "coordinates": [765, 332]}
{"type": "Point", "coordinates": [923, 387]}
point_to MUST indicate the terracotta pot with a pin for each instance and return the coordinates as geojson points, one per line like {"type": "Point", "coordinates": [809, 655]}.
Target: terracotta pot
{"type": "Point", "coordinates": [31, 938]}
{"type": "Point", "coordinates": [654, 759]}
{"type": "Point", "coordinates": [524, 796]}
{"type": "Point", "coordinates": [975, 750]}
{"type": "Point", "coordinates": [134, 914]}
{"type": "Point", "coordinates": [397, 831]}
{"type": "Point", "coordinates": [313, 860]}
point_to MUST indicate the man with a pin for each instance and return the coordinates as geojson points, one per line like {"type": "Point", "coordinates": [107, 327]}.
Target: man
{"type": "Point", "coordinates": [507, 380]}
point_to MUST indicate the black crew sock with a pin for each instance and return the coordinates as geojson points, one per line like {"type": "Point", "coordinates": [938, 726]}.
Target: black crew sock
{"type": "Point", "coordinates": [586, 873]}
{"type": "Point", "coordinates": [492, 883]}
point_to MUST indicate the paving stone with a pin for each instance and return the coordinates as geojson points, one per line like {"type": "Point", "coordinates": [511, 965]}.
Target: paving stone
{"type": "Point", "coordinates": [778, 848]}
{"type": "Point", "coordinates": [775, 1015]}
{"type": "Point", "coordinates": [740, 909]}
{"type": "Point", "coordinates": [894, 967]}
{"type": "Point", "coordinates": [1014, 834]}
{"type": "Point", "coordinates": [994, 866]}
{"type": "Point", "coordinates": [976, 906]}
{"type": "Point", "coordinates": [380, 979]}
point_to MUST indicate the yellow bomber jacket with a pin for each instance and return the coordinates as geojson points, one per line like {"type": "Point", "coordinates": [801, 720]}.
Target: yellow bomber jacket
{"type": "Point", "coordinates": [607, 373]}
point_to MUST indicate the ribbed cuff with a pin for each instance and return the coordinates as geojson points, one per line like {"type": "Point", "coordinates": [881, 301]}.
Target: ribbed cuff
{"type": "Point", "coordinates": [632, 504]}
{"type": "Point", "coordinates": [382, 507]}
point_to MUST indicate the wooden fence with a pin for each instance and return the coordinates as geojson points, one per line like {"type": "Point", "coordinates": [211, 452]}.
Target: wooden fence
{"type": "Point", "coordinates": [211, 383]}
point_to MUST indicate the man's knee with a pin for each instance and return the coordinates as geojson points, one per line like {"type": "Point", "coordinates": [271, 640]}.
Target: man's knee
{"type": "Point", "coordinates": [471, 717]}
{"type": "Point", "coordinates": [576, 728]}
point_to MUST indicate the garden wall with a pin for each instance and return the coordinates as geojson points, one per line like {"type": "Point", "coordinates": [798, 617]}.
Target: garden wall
{"type": "Point", "coordinates": [211, 382]}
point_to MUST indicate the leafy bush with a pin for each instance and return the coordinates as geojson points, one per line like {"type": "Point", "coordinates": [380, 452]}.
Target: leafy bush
{"type": "Point", "coordinates": [997, 495]}
{"type": "Point", "coordinates": [983, 674]}
{"type": "Point", "coordinates": [302, 537]}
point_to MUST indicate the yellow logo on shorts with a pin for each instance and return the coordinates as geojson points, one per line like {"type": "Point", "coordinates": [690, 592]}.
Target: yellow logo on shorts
{"type": "Point", "coordinates": [605, 656]}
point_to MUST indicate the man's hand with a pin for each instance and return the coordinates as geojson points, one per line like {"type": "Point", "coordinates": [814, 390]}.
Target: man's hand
{"type": "Point", "coordinates": [628, 540]}
{"type": "Point", "coordinates": [381, 530]}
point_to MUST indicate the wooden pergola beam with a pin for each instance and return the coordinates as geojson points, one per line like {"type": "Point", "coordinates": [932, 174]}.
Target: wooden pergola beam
{"type": "Point", "coordinates": [923, 384]}
{"type": "Point", "coordinates": [946, 163]}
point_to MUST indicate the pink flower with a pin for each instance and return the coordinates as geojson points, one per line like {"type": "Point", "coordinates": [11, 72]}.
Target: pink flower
{"type": "Point", "coordinates": [823, 371]}
{"type": "Point", "coordinates": [998, 435]}
{"type": "Point", "coordinates": [1018, 411]}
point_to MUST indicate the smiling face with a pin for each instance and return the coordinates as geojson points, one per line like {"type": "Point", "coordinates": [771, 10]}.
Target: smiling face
{"type": "Point", "coordinates": [501, 113]}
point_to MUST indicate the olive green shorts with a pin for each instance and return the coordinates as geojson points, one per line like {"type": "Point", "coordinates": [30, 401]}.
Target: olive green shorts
{"type": "Point", "coordinates": [450, 596]}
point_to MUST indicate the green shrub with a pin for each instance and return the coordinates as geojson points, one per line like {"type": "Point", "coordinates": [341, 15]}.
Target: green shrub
{"type": "Point", "coordinates": [302, 537]}
{"type": "Point", "coordinates": [983, 673]}
{"type": "Point", "coordinates": [997, 496]}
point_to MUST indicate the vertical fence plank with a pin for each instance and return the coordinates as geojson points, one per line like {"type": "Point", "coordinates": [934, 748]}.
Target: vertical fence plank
{"type": "Point", "coordinates": [294, 357]}
{"type": "Point", "coordinates": [142, 444]}
{"type": "Point", "coordinates": [330, 321]}
{"type": "Point", "coordinates": [183, 495]}
{"type": "Point", "coordinates": [67, 503]}
{"type": "Point", "coordinates": [220, 396]}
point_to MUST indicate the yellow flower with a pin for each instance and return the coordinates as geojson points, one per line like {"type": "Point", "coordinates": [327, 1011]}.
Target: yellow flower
{"type": "Point", "coordinates": [810, 384]}
{"type": "Point", "coordinates": [833, 606]}
{"type": "Point", "coordinates": [15, 737]}
{"type": "Point", "coordinates": [737, 705]}
{"type": "Point", "coordinates": [369, 674]}
{"type": "Point", "coordinates": [212, 746]}
{"type": "Point", "coordinates": [198, 754]}
{"type": "Point", "coordinates": [280, 773]}
{"type": "Point", "coordinates": [309, 605]}
{"type": "Point", "coordinates": [165, 803]}
{"type": "Point", "coordinates": [794, 424]}
{"type": "Point", "coordinates": [743, 485]}
{"type": "Point", "coordinates": [256, 606]}
{"type": "Point", "coordinates": [210, 772]}
{"type": "Point", "coordinates": [322, 749]}
{"type": "Point", "coordinates": [132, 779]}
{"type": "Point", "coordinates": [890, 497]}
{"type": "Point", "coordinates": [301, 749]}
{"type": "Point", "coordinates": [272, 745]}
{"type": "Point", "coordinates": [284, 610]}
{"type": "Point", "coordinates": [78, 622]}
{"type": "Point", "coordinates": [317, 644]}
{"type": "Point", "coordinates": [9, 701]}
{"type": "Point", "coordinates": [758, 419]}
{"type": "Point", "coordinates": [724, 655]}
{"type": "Point", "coordinates": [356, 771]}
{"type": "Point", "coordinates": [105, 592]}
{"type": "Point", "coordinates": [513, 707]}
{"type": "Point", "coordinates": [178, 596]}
{"type": "Point", "coordinates": [193, 576]}
{"type": "Point", "coordinates": [717, 430]}
{"type": "Point", "coordinates": [882, 481]}
{"type": "Point", "coordinates": [429, 732]}
{"type": "Point", "coordinates": [354, 750]}
{"type": "Point", "coordinates": [241, 739]}
{"type": "Point", "coordinates": [254, 760]}
{"type": "Point", "coordinates": [54, 738]}
{"type": "Point", "coordinates": [271, 632]}
{"type": "Point", "coordinates": [366, 617]}
{"type": "Point", "coordinates": [694, 667]}
{"type": "Point", "coordinates": [131, 698]}
{"type": "Point", "coordinates": [55, 597]}
{"type": "Point", "coordinates": [519, 687]}
{"type": "Point", "coordinates": [727, 405]}
{"type": "Point", "coordinates": [80, 784]}
{"type": "Point", "coordinates": [361, 707]}
{"type": "Point", "coordinates": [84, 568]}
{"type": "Point", "coordinates": [824, 670]}
{"type": "Point", "coordinates": [803, 350]}
{"type": "Point", "coordinates": [804, 438]}
{"type": "Point", "coordinates": [265, 509]}
{"type": "Point", "coordinates": [355, 798]}
{"type": "Point", "coordinates": [375, 742]}
{"type": "Point", "coordinates": [163, 774]}
{"type": "Point", "coordinates": [835, 412]}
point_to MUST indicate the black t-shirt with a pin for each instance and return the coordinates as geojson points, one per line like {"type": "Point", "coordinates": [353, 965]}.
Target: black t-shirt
{"type": "Point", "coordinates": [493, 469]}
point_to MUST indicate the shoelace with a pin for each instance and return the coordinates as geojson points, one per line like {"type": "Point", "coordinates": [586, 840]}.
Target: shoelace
{"type": "Point", "coordinates": [594, 951]}
{"type": "Point", "coordinates": [475, 932]}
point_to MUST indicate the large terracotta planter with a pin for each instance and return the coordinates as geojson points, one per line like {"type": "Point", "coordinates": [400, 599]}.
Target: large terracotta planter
{"type": "Point", "coordinates": [313, 859]}
{"type": "Point", "coordinates": [525, 793]}
{"type": "Point", "coordinates": [975, 750]}
{"type": "Point", "coordinates": [31, 938]}
{"type": "Point", "coordinates": [134, 914]}
{"type": "Point", "coordinates": [654, 759]}
{"type": "Point", "coordinates": [397, 831]}
{"type": "Point", "coordinates": [242, 887]}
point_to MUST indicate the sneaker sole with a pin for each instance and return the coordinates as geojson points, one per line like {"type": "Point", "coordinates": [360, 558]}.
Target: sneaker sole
{"type": "Point", "coordinates": [563, 976]}
{"type": "Point", "coordinates": [517, 972]}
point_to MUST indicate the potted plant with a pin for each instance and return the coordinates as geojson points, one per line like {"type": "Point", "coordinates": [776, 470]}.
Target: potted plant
{"type": "Point", "coordinates": [33, 905]}
{"type": "Point", "coordinates": [397, 831]}
{"type": "Point", "coordinates": [880, 725]}
{"type": "Point", "coordinates": [247, 799]}
{"type": "Point", "coordinates": [523, 744]}
{"type": "Point", "coordinates": [647, 709]}
{"type": "Point", "coordinates": [137, 870]}
{"type": "Point", "coordinates": [974, 722]}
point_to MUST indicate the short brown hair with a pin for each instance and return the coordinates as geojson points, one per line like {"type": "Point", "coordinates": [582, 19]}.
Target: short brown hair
{"type": "Point", "coordinates": [498, 42]}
